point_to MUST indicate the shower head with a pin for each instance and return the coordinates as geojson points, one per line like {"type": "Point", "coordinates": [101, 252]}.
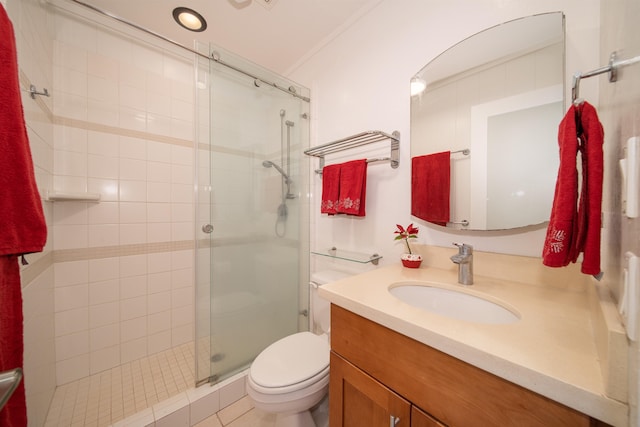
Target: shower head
{"type": "Point", "coordinates": [268, 164]}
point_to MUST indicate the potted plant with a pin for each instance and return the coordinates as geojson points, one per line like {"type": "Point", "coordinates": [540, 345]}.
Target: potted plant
{"type": "Point", "coordinates": [410, 259]}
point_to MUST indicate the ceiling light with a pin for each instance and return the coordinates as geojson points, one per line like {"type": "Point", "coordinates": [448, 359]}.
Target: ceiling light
{"type": "Point", "coordinates": [189, 19]}
{"type": "Point", "coordinates": [418, 85]}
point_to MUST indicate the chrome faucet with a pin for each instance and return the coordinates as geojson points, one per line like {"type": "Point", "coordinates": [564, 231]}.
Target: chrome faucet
{"type": "Point", "coordinates": [464, 259]}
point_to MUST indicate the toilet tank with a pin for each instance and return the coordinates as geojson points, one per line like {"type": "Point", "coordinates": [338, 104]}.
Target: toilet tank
{"type": "Point", "coordinates": [319, 307]}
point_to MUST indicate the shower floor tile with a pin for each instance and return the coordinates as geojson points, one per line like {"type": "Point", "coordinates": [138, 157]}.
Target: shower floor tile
{"type": "Point", "coordinates": [107, 397]}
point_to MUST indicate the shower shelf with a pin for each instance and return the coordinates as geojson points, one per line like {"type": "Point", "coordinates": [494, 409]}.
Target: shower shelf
{"type": "Point", "coordinates": [349, 256]}
{"type": "Point", "coordinates": [358, 140]}
{"type": "Point", "coordinates": [73, 197]}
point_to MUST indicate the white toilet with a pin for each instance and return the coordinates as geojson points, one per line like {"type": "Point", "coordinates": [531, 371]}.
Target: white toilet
{"type": "Point", "coordinates": [291, 376]}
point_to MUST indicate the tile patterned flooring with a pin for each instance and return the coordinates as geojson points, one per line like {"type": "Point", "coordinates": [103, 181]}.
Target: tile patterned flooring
{"type": "Point", "coordinates": [240, 414]}
{"type": "Point", "coordinates": [109, 396]}
{"type": "Point", "coordinates": [113, 396]}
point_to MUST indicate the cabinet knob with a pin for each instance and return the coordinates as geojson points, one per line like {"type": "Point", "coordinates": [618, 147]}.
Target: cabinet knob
{"type": "Point", "coordinates": [394, 421]}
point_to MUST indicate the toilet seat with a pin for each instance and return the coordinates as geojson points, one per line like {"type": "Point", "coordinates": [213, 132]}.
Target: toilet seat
{"type": "Point", "coordinates": [291, 363]}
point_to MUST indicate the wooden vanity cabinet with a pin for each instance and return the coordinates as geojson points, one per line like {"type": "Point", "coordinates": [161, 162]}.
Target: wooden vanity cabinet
{"type": "Point", "coordinates": [377, 373]}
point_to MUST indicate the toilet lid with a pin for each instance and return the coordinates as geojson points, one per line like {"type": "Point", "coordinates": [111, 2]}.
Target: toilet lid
{"type": "Point", "coordinates": [290, 360]}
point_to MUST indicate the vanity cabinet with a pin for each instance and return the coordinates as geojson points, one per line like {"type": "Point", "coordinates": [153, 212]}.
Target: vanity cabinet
{"type": "Point", "coordinates": [377, 373]}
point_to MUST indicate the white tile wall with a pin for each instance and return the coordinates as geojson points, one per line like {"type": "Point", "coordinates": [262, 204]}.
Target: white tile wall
{"type": "Point", "coordinates": [113, 310]}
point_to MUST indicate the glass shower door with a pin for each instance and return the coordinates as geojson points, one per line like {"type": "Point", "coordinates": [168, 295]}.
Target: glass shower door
{"type": "Point", "coordinates": [255, 204]}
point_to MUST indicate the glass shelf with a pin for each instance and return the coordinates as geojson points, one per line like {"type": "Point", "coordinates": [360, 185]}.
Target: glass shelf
{"type": "Point", "coordinates": [349, 256]}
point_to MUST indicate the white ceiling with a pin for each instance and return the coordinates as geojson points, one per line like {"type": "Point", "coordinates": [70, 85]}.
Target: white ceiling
{"type": "Point", "coordinates": [276, 34]}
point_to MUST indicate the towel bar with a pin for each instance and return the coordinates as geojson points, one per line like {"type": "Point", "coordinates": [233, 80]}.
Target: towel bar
{"type": "Point", "coordinates": [611, 68]}
{"type": "Point", "coordinates": [33, 91]}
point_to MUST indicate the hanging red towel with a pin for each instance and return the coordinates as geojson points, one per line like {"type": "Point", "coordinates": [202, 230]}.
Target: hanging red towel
{"type": "Point", "coordinates": [574, 227]}
{"type": "Point", "coordinates": [330, 189]}
{"type": "Point", "coordinates": [14, 414]}
{"type": "Point", "coordinates": [353, 187]}
{"type": "Point", "coordinates": [431, 186]}
{"type": "Point", "coordinates": [23, 227]}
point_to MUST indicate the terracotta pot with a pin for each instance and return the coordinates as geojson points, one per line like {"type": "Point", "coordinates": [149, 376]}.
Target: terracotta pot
{"type": "Point", "coordinates": [411, 260]}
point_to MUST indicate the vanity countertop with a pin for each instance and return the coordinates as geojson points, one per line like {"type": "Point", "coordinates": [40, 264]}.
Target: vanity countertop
{"type": "Point", "coordinates": [551, 350]}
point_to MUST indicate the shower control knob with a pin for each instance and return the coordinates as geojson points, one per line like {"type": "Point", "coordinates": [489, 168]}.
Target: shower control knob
{"type": "Point", "coordinates": [207, 228]}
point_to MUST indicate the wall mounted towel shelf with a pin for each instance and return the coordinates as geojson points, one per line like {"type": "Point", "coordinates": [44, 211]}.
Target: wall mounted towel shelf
{"type": "Point", "coordinates": [358, 140]}
{"type": "Point", "coordinates": [611, 69]}
{"type": "Point", "coordinates": [349, 256]}
{"type": "Point", "coordinates": [73, 197]}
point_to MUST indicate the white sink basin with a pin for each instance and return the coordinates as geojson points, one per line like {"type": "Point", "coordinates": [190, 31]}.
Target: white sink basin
{"type": "Point", "coordinates": [450, 303]}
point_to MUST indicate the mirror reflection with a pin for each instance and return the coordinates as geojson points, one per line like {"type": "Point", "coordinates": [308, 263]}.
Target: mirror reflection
{"type": "Point", "coordinates": [484, 130]}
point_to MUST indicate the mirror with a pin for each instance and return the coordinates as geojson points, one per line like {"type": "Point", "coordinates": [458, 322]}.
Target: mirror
{"type": "Point", "coordinates": [495, 101]}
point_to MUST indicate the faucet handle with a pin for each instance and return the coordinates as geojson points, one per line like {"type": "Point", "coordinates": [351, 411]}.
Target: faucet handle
{"type": "Point", "coordinates": [463, 248]}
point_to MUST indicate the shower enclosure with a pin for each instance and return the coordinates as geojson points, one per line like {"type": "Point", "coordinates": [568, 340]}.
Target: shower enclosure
{"type": "Point", "coordinates": [251, 203]}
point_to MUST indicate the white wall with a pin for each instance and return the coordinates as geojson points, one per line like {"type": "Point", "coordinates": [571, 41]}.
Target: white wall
{"type": "Point", "coordinates": [360, 81]}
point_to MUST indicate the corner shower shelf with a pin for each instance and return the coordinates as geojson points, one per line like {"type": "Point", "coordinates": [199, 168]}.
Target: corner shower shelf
{"type": "Point", "coordinates": [349, 256]}
{"type": "Point", "coordinates": [358, 140]}
{"type": "Point", "coordinates": [73, 197]}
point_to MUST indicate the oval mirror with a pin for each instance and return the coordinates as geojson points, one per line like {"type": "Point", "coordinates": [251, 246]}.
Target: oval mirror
{"type": "Point", "coordinates": [489, 117]}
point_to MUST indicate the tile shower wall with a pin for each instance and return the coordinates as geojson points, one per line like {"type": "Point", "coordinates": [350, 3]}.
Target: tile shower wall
{"type": "Point", "coordinates": [32, 27]}
{"type": "Point", "coordinates": [124, 120]}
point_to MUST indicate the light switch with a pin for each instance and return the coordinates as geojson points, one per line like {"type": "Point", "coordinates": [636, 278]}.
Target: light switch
{"type": "Point", "coordinates": [630, 168]}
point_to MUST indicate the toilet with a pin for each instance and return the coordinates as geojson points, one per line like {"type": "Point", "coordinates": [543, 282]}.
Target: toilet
{"type": "Point", "coordinates": [291, 376]}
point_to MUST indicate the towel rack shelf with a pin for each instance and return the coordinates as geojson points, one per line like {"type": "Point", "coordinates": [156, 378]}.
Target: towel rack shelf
{"type": "Point", "coordinates": [364, 138]}
{"type": "Point", "coordinates": [350, 256]}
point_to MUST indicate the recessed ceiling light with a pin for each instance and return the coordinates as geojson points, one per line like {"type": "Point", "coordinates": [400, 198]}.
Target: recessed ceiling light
{"type": "Point", "coordinates": [189, 19]}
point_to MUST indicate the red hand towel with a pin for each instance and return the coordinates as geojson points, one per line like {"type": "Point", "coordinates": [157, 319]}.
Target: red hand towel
{"type": "Point", "coordinates": [23, 226]}
{"type": "Point", "coordinates": [353, 187]}
{"type": "Point", "coordinates": [575, 229]}
{"type": "Point", "coordinates": [330, 189]}
{"type": "Point", "coordinates": [430, 187]}
{"type": "Point", "coordinates": [590, 206]}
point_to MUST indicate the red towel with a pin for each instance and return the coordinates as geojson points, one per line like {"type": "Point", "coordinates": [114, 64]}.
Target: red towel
{"type": "Point", "coordinates": [330, 189]}
{"type": "Point", "coordinates": [353, 187]}
{"type": "Point", "coordinates": [14, 414]}
{"type": "Point", "coordinates": [574, 227]}
{"type": "Point", "coordinates": [431, 186]}
{"type": "Point", "coordinates": [23, 227]}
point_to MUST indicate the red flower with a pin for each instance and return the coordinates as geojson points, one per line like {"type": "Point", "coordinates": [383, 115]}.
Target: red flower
{"type": "Point", "coordinates": [410, 233]}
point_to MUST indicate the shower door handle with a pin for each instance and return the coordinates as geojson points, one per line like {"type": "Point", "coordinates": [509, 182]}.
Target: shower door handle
{"type": "Point", "coordinates": [207, 228]}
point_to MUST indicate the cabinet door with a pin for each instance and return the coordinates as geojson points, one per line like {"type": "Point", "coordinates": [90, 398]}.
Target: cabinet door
{"type": "Point", "coordinates": [422, 419]}
{"type": "Point", "coordinates": [357, 400]}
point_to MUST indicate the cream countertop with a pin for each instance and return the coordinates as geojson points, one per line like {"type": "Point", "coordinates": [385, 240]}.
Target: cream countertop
{"type": "Point", "coordinates": [551, 350]}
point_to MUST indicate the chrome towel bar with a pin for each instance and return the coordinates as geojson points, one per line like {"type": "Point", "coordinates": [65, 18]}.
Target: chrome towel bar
{"type": "Point", "coordinates": [611, 68]}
